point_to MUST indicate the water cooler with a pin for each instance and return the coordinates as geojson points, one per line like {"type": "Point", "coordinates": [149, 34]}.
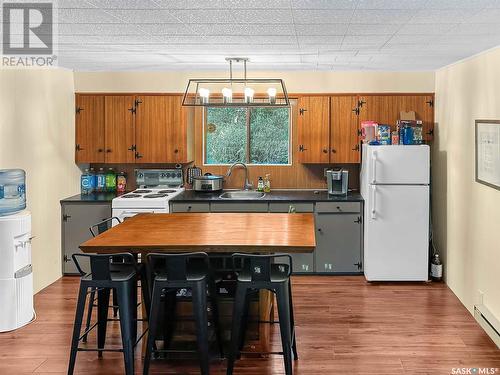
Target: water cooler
{"type": "Point", "coordinates": [16, 276]}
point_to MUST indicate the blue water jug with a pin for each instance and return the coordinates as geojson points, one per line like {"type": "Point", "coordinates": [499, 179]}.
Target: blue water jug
{"type": "Point", "coordinates": [12, 191]}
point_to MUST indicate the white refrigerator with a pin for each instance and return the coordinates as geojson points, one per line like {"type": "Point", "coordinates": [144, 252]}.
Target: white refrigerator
{"type": "Point", "coordinates": [395, 188]}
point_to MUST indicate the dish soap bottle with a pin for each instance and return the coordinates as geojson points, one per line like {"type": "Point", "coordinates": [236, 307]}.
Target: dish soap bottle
{"type": "Point", "coordinates": [260, 184]}
{"type": "Point", "coordinates": [267, 183]}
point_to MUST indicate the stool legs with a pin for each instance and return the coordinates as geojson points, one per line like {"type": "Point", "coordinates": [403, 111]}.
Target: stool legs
{"type": "Point", "coordinates": [199, 292]}
{"type": "Point", "coordinates": [80, 309]}
{"type": "Point", "coordinates": [282, 295]}
{"type": "Point", "coordinates": [238, 312]}
{"type": "Point", "coordinates": [292, 321]}
{"type": "Point", "coordinates": [89, 312]}
{"type": "Point", "coordinates": [102, 317]}
{"type": "Point", "coordinates": [215, 315]}
{"type": "Point", "coordinates": [127, 322]}
{"type": "Point", "coordinates": [154, 318]}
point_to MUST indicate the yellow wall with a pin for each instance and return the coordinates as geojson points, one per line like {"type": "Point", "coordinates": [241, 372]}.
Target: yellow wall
{"type": "Point", "coordinates": [466, 213]}
{"type": "Point", "coordinates": [316, 82]}
{"type": "Point", "coordinates": [37, 135]}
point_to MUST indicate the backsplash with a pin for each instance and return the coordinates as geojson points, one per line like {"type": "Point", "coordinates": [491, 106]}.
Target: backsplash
{"type": "Point", "coordinates": [310, 176]}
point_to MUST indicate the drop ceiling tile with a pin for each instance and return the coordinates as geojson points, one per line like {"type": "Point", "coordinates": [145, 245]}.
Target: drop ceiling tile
{"type": "Point", "coordinates": [366, 39]}
{"type": "Point", "coordinates": [273, 39]}
{"type": "Point", "coordinates": [262, 15]}
{"type": "Point", "coordinates": [304, 16]}
{"type": "Point", "coordinates": [391, 16]}
{"type": "Point", "coordinates": [425, 29]}
{"type": "Point", "coordinates": [322, 29]}
{"type": "Point", "coordinates": [74, 4]}
{"type": "Point", "coordinates": [329, 39]}
{"type": "Point", "coordinates": [475, 29]}
{"type": "Point", "coordinates": [94, 29]}
{"type": "Point", "coordinates": [166, 29]}
{"type": "Point", "coordinates": [433, 16]}
{"type": "Point", "coordinates": [256, 4]}
{"type": "Point", "coordinates": [202, 15]}
{"type": "Point", "coordinates": [372, 29]}
{"type": "Point", "coordinates": [412, 39]}
{"type": "Point", "coordinates": [189, 4]}
{"type": "Point", "coordinates": [391, 4]}
{"type": "Point", "coordinates": [243, 29]}
{"type": "Point", "coordinates": [360, 47]}
{"type": "Point", "coordinates": [323, 4]}
{"type": "Point", "coordinates": [122, 4]}
{"type": "Point", "coordinates": [491, 16]}
{"type": "Point", "coordinates": [459, 4]}
{"type": "Point", "coordinates": [143, 15]}
{"type": "Point", "coordinates": [84, 15]}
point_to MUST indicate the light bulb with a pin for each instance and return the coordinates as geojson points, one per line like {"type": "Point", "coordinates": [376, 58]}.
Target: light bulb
{"type": "Point", "coordinates": [271, 91]}
{"type": "Point", "coordinates": [204, 94]}
{"type": "Point", "coordinates": [249, 94]}
{"type": "Point", "coordinates": [227, 95]}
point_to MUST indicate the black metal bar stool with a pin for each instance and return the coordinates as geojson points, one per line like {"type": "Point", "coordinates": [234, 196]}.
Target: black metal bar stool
{"type": "Point", "coordinates": [259, 272]}
{"type": "Point", "coordinates": [117, 261]}
{"type": "Point", "coordinates": [191, 271]}
{"type": "Point", "coordinates": [123, 281]}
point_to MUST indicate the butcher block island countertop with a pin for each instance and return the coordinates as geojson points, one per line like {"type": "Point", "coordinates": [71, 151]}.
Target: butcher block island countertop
{"type": "Point", "coordinates": [209, 232]}
{"type": "Point", "coordinates": [218, 234]}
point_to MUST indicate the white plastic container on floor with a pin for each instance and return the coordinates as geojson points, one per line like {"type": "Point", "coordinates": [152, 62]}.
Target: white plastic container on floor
{"type": "Point", "coordinates": [16, 276]}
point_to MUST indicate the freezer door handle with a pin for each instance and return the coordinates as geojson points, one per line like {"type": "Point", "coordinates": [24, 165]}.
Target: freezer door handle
{"type": "Point", "coordinates": [374, 167]}
{"type": "Point", "coordinates": [373, 208]}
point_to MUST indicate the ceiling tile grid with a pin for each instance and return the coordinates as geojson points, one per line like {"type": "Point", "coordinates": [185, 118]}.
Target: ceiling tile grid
{"type": "Point", "coordinates": [275, 34]}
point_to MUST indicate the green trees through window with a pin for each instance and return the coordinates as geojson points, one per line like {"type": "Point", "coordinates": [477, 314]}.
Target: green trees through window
{"type": "Point", "coordinates": [249, 135]}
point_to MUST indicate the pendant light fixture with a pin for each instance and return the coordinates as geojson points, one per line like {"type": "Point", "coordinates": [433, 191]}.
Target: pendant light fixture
{"type": "Point", "coordinates": [236, 92]}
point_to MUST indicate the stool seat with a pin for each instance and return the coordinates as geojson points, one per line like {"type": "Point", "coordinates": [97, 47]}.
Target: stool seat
{"type": "Point", "coordinates": [121, 273]}
{"type": "Point", "coordinates": [278, 273]}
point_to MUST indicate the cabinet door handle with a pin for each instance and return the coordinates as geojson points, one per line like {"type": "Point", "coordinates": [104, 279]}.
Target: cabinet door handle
{"type": "Point", "coordinates": [319, 230]}
{"type": "Point", "coordinates": [176, 151]}
{"type": "Point", "coordinates": [100, 150]}
{"type": "Point", "coordinates": [108, 150]}
{"type": "Point", "coordinates": [334, 151]}
{"type": "Point", "coordinates": [325, 151]}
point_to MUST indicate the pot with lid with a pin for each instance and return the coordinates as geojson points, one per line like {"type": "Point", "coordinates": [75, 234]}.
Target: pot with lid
{"type": "Point", "coordinates": [208, 182]}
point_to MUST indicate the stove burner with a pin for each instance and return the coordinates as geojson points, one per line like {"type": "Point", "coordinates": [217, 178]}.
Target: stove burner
{"type": "Point", "coordinates": [156, 195]}
{"type": "Point", "coordinates": [142, 191]}
{"type": "Point", "coordinates": [131, 196]}
{"type": "Point", "coordinates": [166, 191]}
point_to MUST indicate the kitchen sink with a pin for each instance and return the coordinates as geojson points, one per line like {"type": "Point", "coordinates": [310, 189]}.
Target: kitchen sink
{"type": "Point", "coordinates": [242, 194]}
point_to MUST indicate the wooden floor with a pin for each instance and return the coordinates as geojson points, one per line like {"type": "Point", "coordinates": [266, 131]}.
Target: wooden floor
{"type": "Point", "coordinates": [344, 326]}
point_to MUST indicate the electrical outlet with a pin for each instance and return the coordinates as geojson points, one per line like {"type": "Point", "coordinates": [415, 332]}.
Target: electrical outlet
{"type": "Point", "coordinates": [479, 297]}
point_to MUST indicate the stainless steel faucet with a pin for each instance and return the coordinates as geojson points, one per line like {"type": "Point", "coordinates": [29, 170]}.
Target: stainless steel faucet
{"type": "Point", "coordinates": [247, 185]}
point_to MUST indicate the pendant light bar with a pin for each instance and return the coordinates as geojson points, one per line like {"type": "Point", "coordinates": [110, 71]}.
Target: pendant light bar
{"type": "Point", "coordinates": [236, 92]}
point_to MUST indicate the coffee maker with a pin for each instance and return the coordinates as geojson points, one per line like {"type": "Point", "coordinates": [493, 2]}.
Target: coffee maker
{"type": "Point", "coordinates": [338, 181]}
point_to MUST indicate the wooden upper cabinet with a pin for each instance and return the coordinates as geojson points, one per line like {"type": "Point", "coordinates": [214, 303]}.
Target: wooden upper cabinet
{"type": "Point", "coordinates": [344, 138]}
{"type": "Point", "coordinates": [162, 130]}
{"type": "Point", "coordinates": [385, 109]}
{"type": "Point", "coordinates": [119, 129]}
{"type": "Point", "coordinates": [313, 129]}
{"type": "Point", "coordinates": [423, 106]}
{"type": "Point", "coordinates": [89, 129]}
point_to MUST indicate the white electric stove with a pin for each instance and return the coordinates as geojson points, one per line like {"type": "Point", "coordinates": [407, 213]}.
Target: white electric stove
{"type": "Point", "coordinates": [156, 188]}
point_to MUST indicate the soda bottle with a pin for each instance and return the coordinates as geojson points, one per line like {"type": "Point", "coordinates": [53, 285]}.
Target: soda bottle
{"type": "Point", "coordinates": [101, 181]}
{"type": "Point", "coordinates": [111, 180]}
{"type": "Point", "coordinates": [86, 182]}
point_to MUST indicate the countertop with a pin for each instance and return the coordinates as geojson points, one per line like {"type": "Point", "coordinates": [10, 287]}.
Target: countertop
{"type": "Point", "coordinates": [91, 198]}
{"type": "Point", "coordinates": [273, 196]}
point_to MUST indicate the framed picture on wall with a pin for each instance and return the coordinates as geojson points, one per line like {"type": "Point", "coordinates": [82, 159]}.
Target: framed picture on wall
{"type": "Point", "coordinates": [488, 152]}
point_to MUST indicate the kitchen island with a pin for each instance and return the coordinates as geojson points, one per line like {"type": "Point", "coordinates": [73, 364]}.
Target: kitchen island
{"type": "Point", "coordinates": [218, 234]}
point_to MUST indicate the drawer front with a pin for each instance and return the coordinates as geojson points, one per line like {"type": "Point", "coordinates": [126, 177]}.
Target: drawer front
{"type": "Point", "coordinates": [291, 207]}
{"type": "Point", "coordinates": [189, 207]}
{"type": "Point", "coordinates": [238, 207]}
{"type": "Point", "coordinates": [338, 207]}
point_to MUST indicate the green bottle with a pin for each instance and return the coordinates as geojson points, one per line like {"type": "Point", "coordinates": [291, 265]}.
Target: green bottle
{"type": "Point", "coordinates": [111, 180]}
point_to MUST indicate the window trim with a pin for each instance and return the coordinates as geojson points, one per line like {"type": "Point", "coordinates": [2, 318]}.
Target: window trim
{"type": "Point", "coordinates": [293, 103]}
